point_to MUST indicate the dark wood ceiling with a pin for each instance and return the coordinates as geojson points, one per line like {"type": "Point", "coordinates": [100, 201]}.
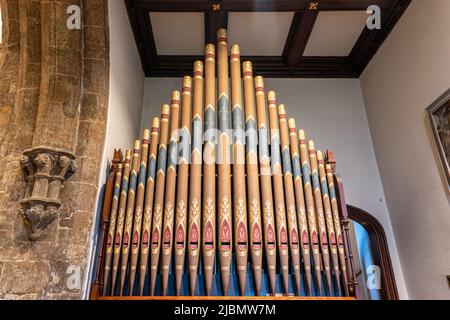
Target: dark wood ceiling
{"type": "Point", "coordinates": [292, 64]}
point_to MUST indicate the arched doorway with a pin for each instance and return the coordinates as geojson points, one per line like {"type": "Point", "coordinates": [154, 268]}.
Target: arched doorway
{"type": "Point", "coordinates": [372, 256]}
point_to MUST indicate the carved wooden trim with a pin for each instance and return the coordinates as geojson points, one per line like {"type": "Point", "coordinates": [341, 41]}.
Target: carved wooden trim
{"type": "Point", "coordinates": [98, 285]}
{"type": "Point", "coordinates": [340, 194]}
{"type": "Point", "coordinates": [380, 250]}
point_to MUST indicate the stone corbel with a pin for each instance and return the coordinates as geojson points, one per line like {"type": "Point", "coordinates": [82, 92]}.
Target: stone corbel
{"type": "Point", "coordinates": [46, 170]}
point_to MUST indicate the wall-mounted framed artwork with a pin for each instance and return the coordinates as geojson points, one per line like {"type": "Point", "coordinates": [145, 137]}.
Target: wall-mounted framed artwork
{"type": "Point", "coordinates": [439, 117]}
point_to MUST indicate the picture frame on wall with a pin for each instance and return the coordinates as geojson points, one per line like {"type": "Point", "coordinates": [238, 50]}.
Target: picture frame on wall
{"type": "Point", "coordinates": [439, 117]}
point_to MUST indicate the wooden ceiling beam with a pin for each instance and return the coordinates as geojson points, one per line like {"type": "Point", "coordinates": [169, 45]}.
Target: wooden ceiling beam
{"type": "Point", "coordinates": [267, 66]}
{"type": "Point", "coordinates": [302, 26]}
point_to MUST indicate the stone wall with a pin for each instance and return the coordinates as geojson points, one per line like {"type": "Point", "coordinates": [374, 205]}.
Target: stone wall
{"type": "Point", "coordinates": [53, 94]}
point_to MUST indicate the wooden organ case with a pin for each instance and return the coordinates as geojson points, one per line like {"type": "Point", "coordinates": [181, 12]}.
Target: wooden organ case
{"type": "Point", "coordinates": [223, 198]}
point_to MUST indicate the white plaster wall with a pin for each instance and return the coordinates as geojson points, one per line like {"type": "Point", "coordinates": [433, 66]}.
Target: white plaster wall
{"type": "Point", "coordinates": [409, 72]}
{"type": "Point", "coordinates": [126, 82]}
{"type": "Point", "coordinates": [126, 90]}
{"type": "Point", "coordinates": [332, 113]}
{"type": "Point", "coordinates": [157, 92]}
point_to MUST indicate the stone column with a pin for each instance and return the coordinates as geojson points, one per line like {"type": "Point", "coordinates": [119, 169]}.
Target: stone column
{"type": "Point", "coordinates": [53, 113]}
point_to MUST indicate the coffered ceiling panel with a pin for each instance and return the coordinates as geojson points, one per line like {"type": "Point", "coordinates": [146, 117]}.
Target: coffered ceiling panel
{"type": "Point", "coordinates": [178, 33]}
{"type": "Point", "coordinates": [335, 33]}
{"type": "Point", "coordinates": [260, 33]}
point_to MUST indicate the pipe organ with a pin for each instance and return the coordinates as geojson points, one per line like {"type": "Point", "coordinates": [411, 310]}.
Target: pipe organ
{"type": "Point", "coordinates": [224, 196]}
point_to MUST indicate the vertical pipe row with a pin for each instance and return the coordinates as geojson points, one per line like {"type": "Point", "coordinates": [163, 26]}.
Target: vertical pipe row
{"type": "Point", "coordinates": [320, 213]}
{"type": "Point", "coordinates": [224, 161]}
{"type": "Point", "coordinates": [164, 199]}
{"type": "Point", "coordinates": [128, 228]}
{"type": "Point", "coordinates": [195, 186]}
{"type": "Point", "coordinates": [136, 241]}
{"type": "Point", "coordinates": [182, 184]}
{"type": "Point", "coordinates": [289, 196]}
{"type": "Point", "coordinates": [337, 227]}
{"type": "Point", "coordinates": [169, 201]}
{"type": "Point", "coordinates": [112, 228]}
{"type": "Point", "coordinates": [277, 174]}
{"type": "Point", "coordinates": [159, 197]}
{"type": "Point", "coordinates": [329, 220]}
{"type": "Point", "coordinates": [270, 235]}
{"type": "Point", "coordinates": [239, 183]}
{"type": "Point", "coordinates": [118, 239]}
{"type": "Point", "coordinates": [311, 211]}
{"type": "Point", "coordinates": [148, 203]}
{"type": "Point", "coordinates": [300, 200]}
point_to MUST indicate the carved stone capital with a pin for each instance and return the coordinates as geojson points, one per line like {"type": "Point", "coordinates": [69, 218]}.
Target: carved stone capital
{"type": "Point", "coordinates": [46, 169]}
